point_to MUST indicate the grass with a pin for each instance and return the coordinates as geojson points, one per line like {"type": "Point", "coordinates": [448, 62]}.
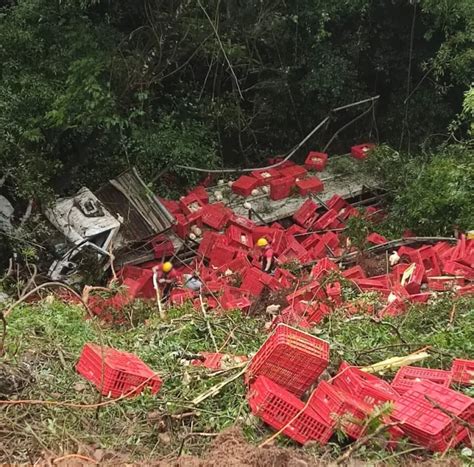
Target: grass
{"type": "Point", "coordinates": [48, 338]}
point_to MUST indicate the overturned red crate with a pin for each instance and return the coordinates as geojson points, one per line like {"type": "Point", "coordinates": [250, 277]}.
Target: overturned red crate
{"type": "Point", "coordinates": [361, 150]}
{"type": "Point", "coordinates": [323, 267]}
{"type": "Point", "coordinates": [463, 371]}
{"type": "Point", "coordinates": [138, 280]}
{"type": "Point", "coordinates": [444, 283]}
{"type": "Point", "coordinates": [244, 185]}
{"type": "Point", "coordinates": [349, 411]}
{"type": "Point", "coordinates": [309, 185]}
{"type": "Point", "coordinates": [280, 188]}
{"type": "Point", "coordinates": [209, 241]}
{"type": "Point", "coordinates": [355, 272]}
{"type": "Point", "coordinates": [191, 203]}
{"type": "Point", "coordinates": [180, 296]}
{"type": "Point", "coordinates": [116, 373]}
{"type": "Point", "coordinates": [277, 407]}
{"type": "Point", "coordinates": [428, 426]}
{"type": "Point", "coordinates": [337, 203]}
{"type": "Point", "coordinates": [307, 214]}
{"type": "Point", "coordinates": [372, 390]}
{"type": "Point", "coordinates": [242, 222]}
{"type": "Point", "coordinates": [325, 221]}
{"type": "Point", "coordinates": [182, 226]}
{"type": "Point", "coordinates": [408, 376]}
{"type": "Point", "coordinates": [316, 161]}
{"type": "Point", "coordinates": [251, 282]}
{"type": "Point", "coordinates": [292, 357]}
{"type": "Point", "coordinates": [162, 247]}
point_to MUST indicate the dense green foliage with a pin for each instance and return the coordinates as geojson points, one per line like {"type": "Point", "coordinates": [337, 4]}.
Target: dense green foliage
{"type": "Point", "coordinates": [431, 194]}
{"type": "Point", "coordinates": [89, 87]}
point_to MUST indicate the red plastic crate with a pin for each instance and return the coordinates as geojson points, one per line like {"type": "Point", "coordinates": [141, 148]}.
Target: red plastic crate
{"type": "Point", "coordinates": [239, 264]}
{"type": "Point", "coordinates": [294, 250]}
{"type": "Point", "coordinates": [334, 292]}
{"type": "Point", "coordinates": [221, 254]}
{"type": "Point", "coordinates": [323, 267]}
{"type": "Point", "coordinates": [242, 222]}
{"type": "Point", "coordinates": [307, 214]}
{"type": "Point", "coordinates": [244, 185]}
{"type": "Point", "coordinates": [463, 371]}
{"type": "Point", "coordinates": [292, 357]}
{"type": "Point", "coordinates": [309, 185]}
{"type": "Point", "coordinates": [413, 284]}
{"type": "Point", "coordinates": [280, 188]}
{"type": "Point", "coordinates": [317, 313]}
{"type": "Point", "coordinates": [361, 150]}
{"type": "Point", "coordinates": [162, 247]}
{"type": "Point", "coordinates": [408, 376]}
{"type": "Point", "coordinates": [239, 237]}
{"type": "Point", "coordinates": [316, 161]}
{"type": "Point", "coordinates": [264, 177]}
{"type": "Point", "coordinates": [209, 241]}
{"type": "Point", "coordinates": [201, 193]}
{"type": "Point", "coordinates": [456, 268]}
{"type": "Point", "coordinates": [234, 298]}
{"type": "Point", "coordinates": [191, 203]}
{"type": "Point", "coordinates": [331, 239]}
{"type": "Point", "coordinates": [444, 283]}
{"type": "Point", "coordinates": [376, 239]}
{"type": "Point", "coordinates": [182, 226]}
{"type": "Point", "coordinates": [372, 390]}
{"type": "Point", "coordinates": [251, 282]}
{"type": "Point", "coordinates": [138, 280]}
{"type": "Point", "coordinates": [216, 215]}
{"type": "Point", "coordinates": [348, 410]}
{"type": "Point", "coordinates": [355, 272]}
{"type": "Point", "coordinates": [294, 171]}
{"type": "Point", "coordinates": [116, 373]}
{"type": "Point", "coordinates": [325, 221]}
{"type": "Point", "coordinates": [425, 424]}
{"type": "Point", "coordinates": [277, 407]}
{"type": "Point", "coordinates": [337, 203]}
{"type": "Point", "coordinates": [172, 206]}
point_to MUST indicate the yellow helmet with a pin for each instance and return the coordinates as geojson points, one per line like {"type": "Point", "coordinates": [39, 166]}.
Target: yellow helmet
{"type": "Point", "coordinates": [261, 242]}
{"type": "Point", "coordinates": [167, 267]}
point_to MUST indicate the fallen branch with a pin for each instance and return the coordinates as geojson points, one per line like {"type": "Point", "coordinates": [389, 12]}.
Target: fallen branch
{"type": "Point", "coordinates": [217, 388]}
{"type": "Point", "coordinates": [190, 435]}
{"type": "Point", "coordinates": [451, 415]}
{"type": "Point", "coordinates": [208, 324]}
{"type": "Point", "coordinates": [75, 456]}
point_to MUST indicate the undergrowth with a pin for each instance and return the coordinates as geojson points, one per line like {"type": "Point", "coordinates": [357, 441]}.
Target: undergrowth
{"type": "Point", "coordinates": [48, 338]}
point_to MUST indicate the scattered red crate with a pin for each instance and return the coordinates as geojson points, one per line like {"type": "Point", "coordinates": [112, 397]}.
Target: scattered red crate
{"type": "Point", "coordinates": [376, 239]}
{"type": "Point", "coordinates": [428, 426]}
{"type": "Point", "coordinates": [251, 282]}
{"type": "Point", "coordinates": [221, 254]}
{"type": "Point", "coordinates": [216, 215]}
{"type": "Point", "coordinates": [116, 373]}
{"type": "Point", "coordinates": [162, 247]}
{"type": "Point", "coordinates": [326, 220]}
{"type": "Point", "coordinates": [209, 240]}
{"type": "Point", "coordinates": [322, 268]}
{"type": "Point", "coordinates": [244, 185]}
{"type": "Point", "coordinates": [355, 272]}
{"type": "Point", "coordinates": [138, 280]}
{"type": "Point", "coordinates": [307, 214]}
{"type": "Point", "coordinates": [334, 292]}
{"type": "Point", "coordinates": [264, 177]}
{"type": "Point", "coordinates": [201, 193]}
{"type": "Point", "coordinates": [348, 410]}
{"type": "Point", "coordinates": [182, 226]}
{"type": "Point", "coordinates": [191, 203]}
{"type": "Point", "coordinates": [408, 376]}
{"type": "Point", "coordinates": [316, 161]}
{"type": "Point", "coordinates": [242, 222]}
{"type": "Point", "coordinates": [413, 284]}
{"type": "Point", "coordinates": [463, 371]}
{"type": "Point", "coordinates": [337, 203]}
{"type": "Point", "coordinates": [277, 407]}
{"type": "Point", "coordinates": [172, 206]}
{"type": "Point", "coordinates": [372, 390]}
{"type": "Point", "coordinates": [316, 313]}
{"type": "Point", "coordinates": [280, 188]}
{"type": "Point", "coordinates": [239, 237]}
{"type": "Point", "coordinates": [309, 185]}
{"type": "Point", "coordinates": [293, 171]}
{"type": "Point", "coordinates": [291, 357]}
{"type": "Point", "coordinates": [444, 283]}
{"type": "Point", "coordinates": [361, 150]}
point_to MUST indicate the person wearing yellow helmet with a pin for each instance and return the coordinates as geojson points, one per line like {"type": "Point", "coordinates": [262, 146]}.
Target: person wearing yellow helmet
{"type": "Point", "coordinates": [167, 278]}
{"type": "Point", "coordinates": [267, 256]}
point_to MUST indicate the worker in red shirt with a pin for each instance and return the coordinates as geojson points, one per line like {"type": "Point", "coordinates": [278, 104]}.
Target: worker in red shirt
{"type": "Point", "coordinates": [268, 256]}
{"type": "Point", "coordinates": [167, 279]}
